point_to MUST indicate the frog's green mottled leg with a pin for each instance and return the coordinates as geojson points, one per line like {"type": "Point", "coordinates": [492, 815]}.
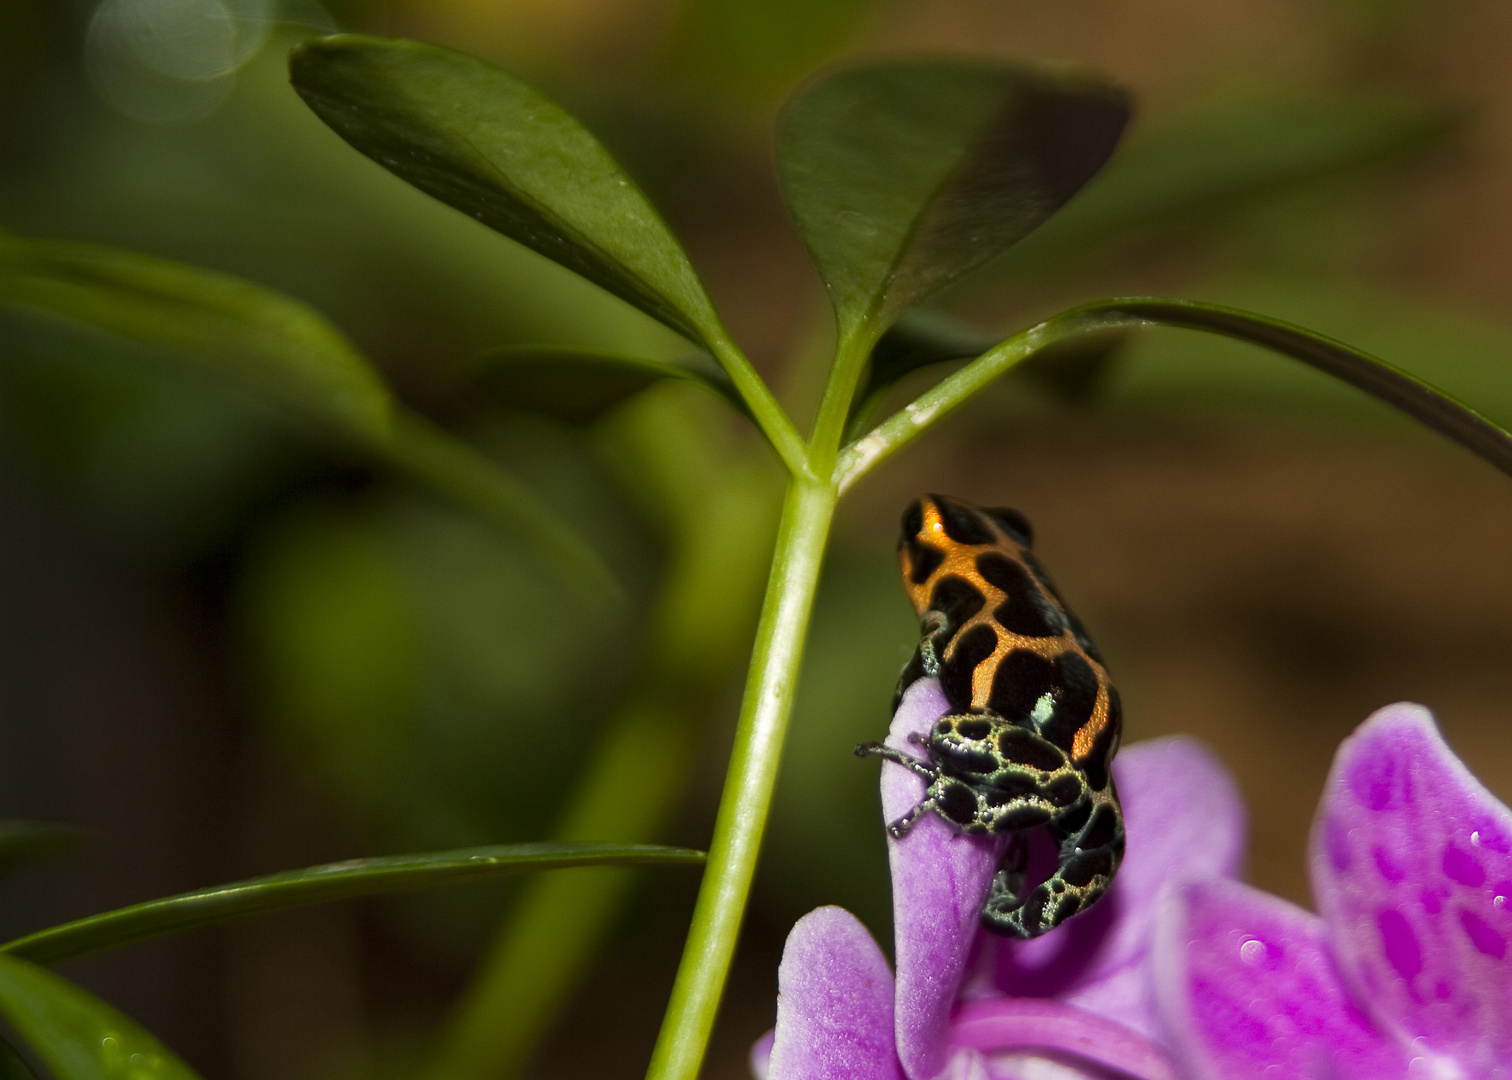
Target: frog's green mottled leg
{"type": "Point", "coordinates": [1091, 839]}
{"type": "Point", "coordinates": [899, 829]}
{"type": "Point", "coordinates": [875, 749]}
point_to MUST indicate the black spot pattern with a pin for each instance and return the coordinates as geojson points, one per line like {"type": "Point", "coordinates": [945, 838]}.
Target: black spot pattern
{"type": "Point", "coordinates": [1101, 755]}
{"type": "Point", "coordinates": [962, 524]}
{"type": "Point", "coordinates": [1027, 610]}
{"type": "Point", "coordinates": [974, 728]}
{"type": "Point", "coordinates": [1065, 791]}
{"type": "Point", "coordinates": [957, 802]}
{"type": "Point", "coordinates": [1022, 679]}
{"type": "Point", "coordinates": [1075, 702]}
{"type": "Point", "coordinates": [1015, 524]}
{"type": "Point", "coordinates": [913, 519]}
{"type": "Point", "coordinates": [1022, 817]}
{"type": "Point", "coordinates": [971, 648]}
{"type": "Point", "coordinates": [1008, 767]}
{"type": "Point", "coordinates": [1100, 829]}
{"type": "Point", "coordinates": [1021, 745]}
{"type": "Point", "coordinates": [923, 560]}
{"type": "Point", "coordinates": [957, 599]}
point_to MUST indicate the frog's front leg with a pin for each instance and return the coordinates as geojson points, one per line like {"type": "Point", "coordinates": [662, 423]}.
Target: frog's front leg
{"type": "Point", "coordinates": [1091, 845]}
{"type": "Point", "coordinates": [957, 801]}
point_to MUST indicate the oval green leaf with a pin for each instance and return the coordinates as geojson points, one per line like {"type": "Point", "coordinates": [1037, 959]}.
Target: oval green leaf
{"type": "Point", "coordinates": [78, 1035]}
{"type": "Point", "coordinates": [483, 141]}
{"type": "Point", "coordinates": [902, 176]}
{"type": "Point", "coordinates": [323, 884]}
{"type": "Point", "coordinates": [285, 349]}
{"type": "Point", "coordinates": [265, 338]}
{"type": "Point", "coordinates": [579, 385]}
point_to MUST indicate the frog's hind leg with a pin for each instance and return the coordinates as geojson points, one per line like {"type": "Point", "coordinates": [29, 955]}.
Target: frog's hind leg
{"type": "Point", "coordinates": [927, 769]}
{"type": "Point", "coordinates": [1091, 845]}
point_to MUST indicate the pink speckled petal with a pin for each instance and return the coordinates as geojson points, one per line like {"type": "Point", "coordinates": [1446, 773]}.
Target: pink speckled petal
{"type": "Point", "coordinates": [1247, 989]}
{"type": "Point", "coordinates": [1184, 819]}
{"type": "Point", "coordinates": [1009, 1025]}
{"type": "Point", "coordinates": [1412, 868]}
{"type": "Point", "coordinates": [940, 879]}
{"type": "Point", "coordinates": [834, 1004]}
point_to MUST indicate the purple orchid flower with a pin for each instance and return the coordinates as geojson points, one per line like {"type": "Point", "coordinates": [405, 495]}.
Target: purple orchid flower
{"type": "Point", "coordinates": [1074, 1003]}
{"type": "Point", "coordinates": [1406, 972]}
{"type": "Point", "coordinates": [1181, 971]}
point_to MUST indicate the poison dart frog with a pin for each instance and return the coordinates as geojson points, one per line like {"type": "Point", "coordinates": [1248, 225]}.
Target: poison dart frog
{"type": "Point", "coordinates": [1034, 721]}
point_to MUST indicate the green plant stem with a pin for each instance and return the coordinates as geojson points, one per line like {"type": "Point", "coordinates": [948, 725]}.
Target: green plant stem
{"type": "Point", "coordinates": [839, 391]}
{"type": "Point", "coordinates": [445, 464]}
{"type": "Point", "coordinates": [698, 633]}
{"type": "Point", "coordinates": [560, 921]}
{"type": "Point", "coordinates": [807, 511]}
{"type": "Point", "coordinates": [1390, 384]}
{"type": "Point", "coordinates": [763, 407]}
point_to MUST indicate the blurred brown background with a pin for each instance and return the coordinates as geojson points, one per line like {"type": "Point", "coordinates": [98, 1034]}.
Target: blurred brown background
{"type": "Point", "coordinates": [228, 648]}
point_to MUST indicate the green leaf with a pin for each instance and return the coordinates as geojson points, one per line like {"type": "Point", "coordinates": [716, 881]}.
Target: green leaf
{"type": "Point", "coordinates": [265, 338]}
{"type": "Point", "coordinates": [1386, 382]}
{"type": "Point", "coordinates": [323, 884]}
{"type": "Point", "coordinates": [12, 1065]}
{"type": "Point", "coordinates": [579, 385]}
{"type": "Point", "coordinates": [1071, 370]}
{"type": "Point", "coordinates": [77, 1034]}
{"type": "Point", "coordinates": [902, 176]}
{"type": "Point", "coordinates": [1224, 155]}
{"type": "Point", "coordinates": [481, 140]}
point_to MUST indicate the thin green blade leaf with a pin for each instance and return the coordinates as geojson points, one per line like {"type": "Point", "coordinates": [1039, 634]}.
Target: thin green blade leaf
{"type": "Point", "coordinates": [481, 140]}
{"type": "Point", "coordinates": [323, 884]}
{"type": "Point", "coordinates": [1401, 389]}
{"type": "Point", "coordinates": [12, 1065]}
{"type": "Point", "coordinates": [902, 176]}
{"type": "Point", "coordinates": [263, 337]}
{"type": "Point", "coordinates": [1071, 370]}
{"type": "Point", "coordinates": [77, 1034]}
{"type": "Point", "coordinates": [579, 385]}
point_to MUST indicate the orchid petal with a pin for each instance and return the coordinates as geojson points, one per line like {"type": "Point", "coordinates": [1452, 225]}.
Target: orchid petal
{"type": "Point", "coordinates": [1184, 819]}
{"type": "Point", "coordinates": [1247, 989]}
{"type": "Point", "coordinates": [1412, 868]}
{"type": "Point", "coordinates": [834, 1003]}
{"type": "Point", "coordinates": [1012, 1024]}
{"type": "Point", "coordinates": [760, 1058]}
{"type": "Point", "coordinates": [940, 878]}
{"type": "Point", "coordinates": [1038, 1067]}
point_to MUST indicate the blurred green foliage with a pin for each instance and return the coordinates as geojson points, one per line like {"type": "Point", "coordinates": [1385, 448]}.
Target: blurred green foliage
{"type": "Point", "coordinates": [412, 663]}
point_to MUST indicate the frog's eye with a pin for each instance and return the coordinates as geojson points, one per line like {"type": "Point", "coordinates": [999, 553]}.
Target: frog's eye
{"type": "Point", "coordinates": [1015, 524]}
{"type": "Point", "coordinates": [962, 524]}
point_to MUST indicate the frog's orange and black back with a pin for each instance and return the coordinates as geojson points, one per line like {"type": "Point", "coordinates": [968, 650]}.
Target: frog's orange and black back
{"type": "Point", "coordinates": [1035, 721]}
